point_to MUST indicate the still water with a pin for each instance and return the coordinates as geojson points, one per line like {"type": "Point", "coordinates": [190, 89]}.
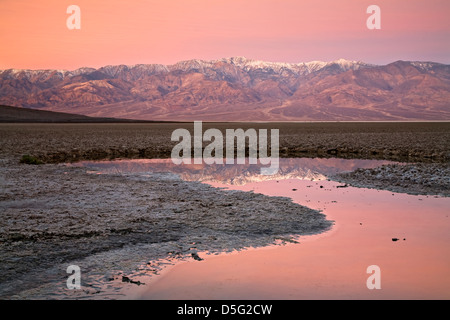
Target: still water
{"type": "Point", "coordinates": [406, 236]}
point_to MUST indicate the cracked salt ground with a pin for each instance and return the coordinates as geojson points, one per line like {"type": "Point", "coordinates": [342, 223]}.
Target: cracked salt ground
{"type": "Point", "coordinates": [113, 223]}
{"type": "Point", "coordinates": [115, 249]}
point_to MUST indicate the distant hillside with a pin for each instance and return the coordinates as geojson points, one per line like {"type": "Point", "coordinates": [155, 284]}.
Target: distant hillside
{"type": "Point", "coordinates": [14, 114]}
{"type": "Point", "coordinates": [239, 89]}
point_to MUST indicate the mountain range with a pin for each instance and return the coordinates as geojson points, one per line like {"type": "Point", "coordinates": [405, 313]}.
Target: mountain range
{"type": "Point", "coordinates": [238, 89]}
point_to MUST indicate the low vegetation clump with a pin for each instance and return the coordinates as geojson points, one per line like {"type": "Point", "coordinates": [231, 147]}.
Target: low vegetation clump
{"type": "Point", "coordinates": [30, 160]}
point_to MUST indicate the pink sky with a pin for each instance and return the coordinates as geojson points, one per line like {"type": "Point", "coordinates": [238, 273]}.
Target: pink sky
{"type": "Point", "coordinates": [34, 33]}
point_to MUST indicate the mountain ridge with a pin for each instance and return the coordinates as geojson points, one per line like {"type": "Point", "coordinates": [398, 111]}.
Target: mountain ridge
{"type": "Point", "coordinates": [237, 88]}
{"type": "Point", "coordinates": [186, 65]}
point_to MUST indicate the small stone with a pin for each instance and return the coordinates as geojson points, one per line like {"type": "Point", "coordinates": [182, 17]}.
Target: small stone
{"type": "Point", "coordinates": [126, 279]}
{"type": "Point", "coordinates": [196, 256]}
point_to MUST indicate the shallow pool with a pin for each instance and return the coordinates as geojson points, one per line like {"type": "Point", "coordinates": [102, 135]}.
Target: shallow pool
{"type": "Point", "coordinates": [407, 237]}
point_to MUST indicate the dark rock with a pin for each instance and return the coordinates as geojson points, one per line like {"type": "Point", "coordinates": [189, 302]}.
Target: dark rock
{"type": "Point", "coordinates": [126, 279]}
{"type": "Point", "coordinates": [196, 256]}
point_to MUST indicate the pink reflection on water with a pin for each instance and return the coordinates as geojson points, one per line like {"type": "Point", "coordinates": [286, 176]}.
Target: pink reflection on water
{"type": "Point", "coordinates": [236, 174]}
{"type": "Point", "coordinates": [331, 265]}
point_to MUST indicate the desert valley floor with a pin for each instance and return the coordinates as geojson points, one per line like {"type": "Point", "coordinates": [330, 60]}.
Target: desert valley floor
{"type": "Point", "coordinates": [65, 211]}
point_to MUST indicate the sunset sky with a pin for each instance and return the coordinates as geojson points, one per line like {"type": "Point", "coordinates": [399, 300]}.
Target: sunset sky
{"type": "Point", "coordinates": [34, 34]}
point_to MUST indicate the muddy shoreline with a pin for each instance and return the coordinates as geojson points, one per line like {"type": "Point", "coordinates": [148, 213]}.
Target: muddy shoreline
{"type": "Point", "coordinates": [415, 179]}
{"type": "Point", "coordinates": [53, 214]}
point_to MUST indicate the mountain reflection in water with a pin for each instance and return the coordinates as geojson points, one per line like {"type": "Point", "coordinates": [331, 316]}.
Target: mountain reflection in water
{"type": "Point", "coordinates": [237, 174]}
